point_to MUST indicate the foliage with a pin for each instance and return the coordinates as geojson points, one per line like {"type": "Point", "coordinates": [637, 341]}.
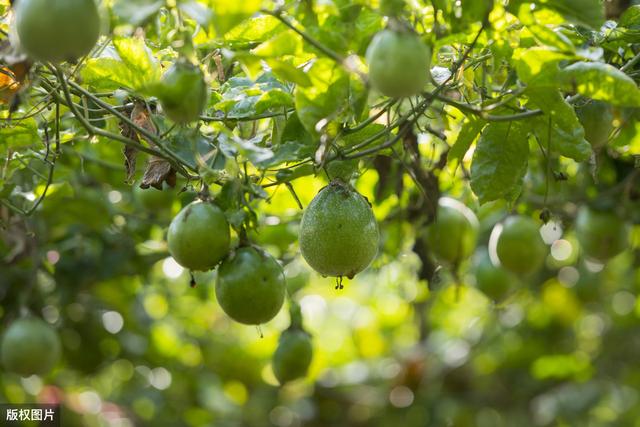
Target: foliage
{"type": "Point", "coordinates": [504, 124]}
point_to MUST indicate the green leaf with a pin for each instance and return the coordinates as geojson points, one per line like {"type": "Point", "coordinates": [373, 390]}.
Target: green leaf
{"type": "Point", "coordinates": [468, 133]}
{"type": "Point", "coordinates": [602, 82]}
{"type": "Point", "coordinates": [21, 134]}
{"type": "Point", "coordinates": [326, 98]}
{"type": "Point", "coordinates": [630, 18]}
{"type": "Point", "coordinates": [543, 33]}
{"type": "Point", "coordinates": [351, 139]}
{"type": "Point", "coordinates": [538, 66]}
{"type": "Point", "coordinates": [275, 98]}
{"type": "Point", "coordinates": [233, 146]}
{"type": "Point", "coordinates": [584, 12]}
{"type": "Point", "coordinates": [137, 12]}
{"type": "Point", "coordinates": [500, 162]}
{"type": "Point", "coordinates": [256, 29]}
{"type": "Point", "coordinates": [567, 134]}
{"type": "Point", "coordinates": [197, 11]}
{"type": "Point", "coordinates": [134, 68]}
{"type": "Point", "coordinates": [227, 14]}
{"type": "Point", "coordinates": [285, 43]}
{"type": "Point", "coordinates": [288, 72]}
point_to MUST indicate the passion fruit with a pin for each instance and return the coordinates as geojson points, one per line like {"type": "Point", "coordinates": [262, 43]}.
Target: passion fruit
{"type": "Point", "coordinates": [520, 247]}
{"type": "Point", "coordinates": [56, 31]}
{"type": "Point", "coordinates": [198, 236]}
{"type": "Point", "coordinates": [601, 234]}
{"type": "Point", "coordinates": [250, 286]}
{"type": "Point", "coordinates": [293, 355]}
{"type": "Point", "coordinates": [30, 347]}
{"type": "Point", "coordinates": [183, 92]}
{"type": "Point", "coordinates": [452, 236]}
{"type": "Point", "coordinates": [494, 281]}
{"type": "Point", "coordinates": [398, 63]}
{"type": "Point", "coordinates": [338, 233]}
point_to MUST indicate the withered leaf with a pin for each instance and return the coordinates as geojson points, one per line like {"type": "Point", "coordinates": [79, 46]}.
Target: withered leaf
{"type": "Point", "coordinates": [158, 171]}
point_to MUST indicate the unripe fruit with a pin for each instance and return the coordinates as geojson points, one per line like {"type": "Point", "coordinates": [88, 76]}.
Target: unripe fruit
{"type": "Point", "coordinates": [338, 232]}
{"type": "Point", "coordinates": [154, 200]}
{"type": "Point", "coordinates": [293, 355]}
{"type": "Point", "coordinates": [494, 281]}
{"type": "Point", "coordinates": [183, 92]}
{"type": "Point", "coordinates": [56, 31]}
{"type": "Point", "coordinates": [452, 236]}
{"type": "Point", "coordinates": [198, 236]}
{"type": "Point", "coordinates": [398, 63]}
{"type": "Point", "coordinates": [520, 247]}
{"type": "Point", "coordinates": [250, 286]}
{"type": "Point", "coordinates": [602, 235]}
{"type": "Point", "coordinates": [30, 347]}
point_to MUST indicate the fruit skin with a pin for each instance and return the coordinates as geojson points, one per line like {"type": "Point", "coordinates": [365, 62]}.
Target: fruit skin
{"type": "Point", "coordinates": [398, 63]}
{"type": "Point", "coordinates": [250, 286]}
{"type": "Point", "coordinates": [338, 233]}
{"type": "Point", "coordinates": [293, 355]}
{"type": "Point", "coordinates": [56, 31]}
{"type": "Point", "coordinates": [198, 236]}
{"type": "Point", "coordinates": [183, 92]}
{"type": "Point", "coordinates": [495, 282]}
{"type": "Point", "coordinates": [520, 247]}
{"type": "Point", "coordinates": [596, 118]}
{"type": "Point", "coordinates": [30, 347]}
{"type": "Point", "coordinates": [602, 235]}
{"type": "Point", "coordinates": [452, 236]}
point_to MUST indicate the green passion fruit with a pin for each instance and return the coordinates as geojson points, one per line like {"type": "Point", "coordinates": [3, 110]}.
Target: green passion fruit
{"type": "Point", "coordinates": [30, 347]}
{"type": "Point", "coordinates": [293, 355]}
{"type": "Point", "coordinates": [398, 63]}
{"type": "Point", "coordinates": [602, 235]}
{"type": "Point", "coordinates": [452, 236]}
{"type": "Point", "coordinates": [155, 200]}
{"type": "Point", "coordinates": [198, 236]}
{"type": "Point", "coordinates": [183, 92]}
{"type": "Point", "coordinates": [494, 281]}
{"type": "Point", "coordinates": [56, 31]}
{"type": "Point", "coordinates": [519, 246]}
{"type": "Point", "coordinates": [250, 286]}
{"type": "Point", "coordinates": [338, 233]}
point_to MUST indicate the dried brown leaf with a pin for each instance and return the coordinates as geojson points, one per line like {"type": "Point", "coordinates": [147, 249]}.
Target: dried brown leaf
{"type": "Point", "coordinates": [158, 171]}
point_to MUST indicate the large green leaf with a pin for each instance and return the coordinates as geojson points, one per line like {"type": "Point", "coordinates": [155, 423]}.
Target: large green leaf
{"type": "Point", "coordinates": [583, 12]}
{"type": "Point", "coordinates": [500, 162]}
{"type": "Point", "coordinates": [601, 81]}
{"type": "Point", "coordinates": [468, 133]}
{"type": "Point", "coordinates": [566, 133]}
{"type": "Point", "coordinates": [137, 12]}
{"type": "Point", "coordinates": [134, 67]}
{"type": "Point", "coordinates": [326, 98]}
{"type": "Point", "coordinates": [539, 66]}
{"type": "Point", "coordinates": [227, 14]}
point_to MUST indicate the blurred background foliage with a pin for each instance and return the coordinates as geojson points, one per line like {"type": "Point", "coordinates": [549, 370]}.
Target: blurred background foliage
{"type": "Point", "coordinates": [141, 347]}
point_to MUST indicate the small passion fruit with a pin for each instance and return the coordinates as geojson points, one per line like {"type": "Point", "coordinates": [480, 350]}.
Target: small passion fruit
{"type": "Point", "coordinates": [293, 355]}
{"type": "Point", "coordinates": [520, 247]}
{"type": "Point", "coordinates": [398, 63]}
{"type": "Point", "coordinates": [199, 236]}
{"type": "Point", "coordinates": [452, 236]}
{"type": "Point", "coordinates": [183, 92]}
{"type": "Point", "coordinates": [250, 286]}
{"type": "Point", "coordinates": [56, 31]}
{"type": "Point", "coordinates": [30, 347]}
